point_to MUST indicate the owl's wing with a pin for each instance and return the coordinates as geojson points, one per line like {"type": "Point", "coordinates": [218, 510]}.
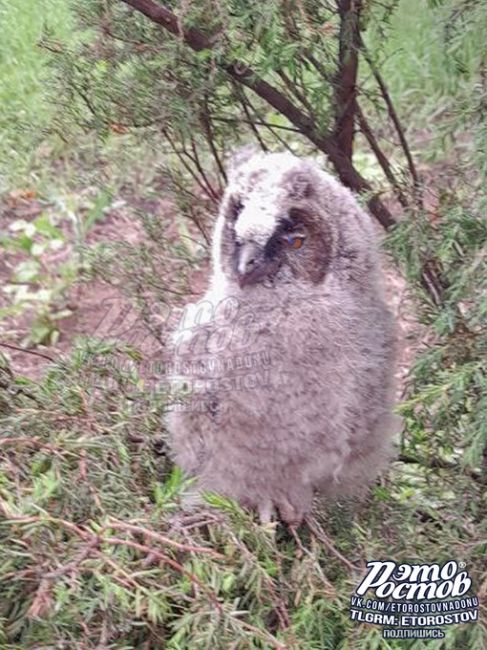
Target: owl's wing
{"type": "Point", "coordinates": [193, 405]}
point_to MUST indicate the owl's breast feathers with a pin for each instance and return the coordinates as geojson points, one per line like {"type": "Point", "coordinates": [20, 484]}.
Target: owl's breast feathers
{"type": "Point", "coordinates": [300, 387]}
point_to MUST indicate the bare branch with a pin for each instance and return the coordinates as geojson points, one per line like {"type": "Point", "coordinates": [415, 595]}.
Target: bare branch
{"type": "Point", "coordinates": [181, 155]}
{"type": "Point", "coordinates": [242, 98]}
{"type": "Point", "coordinates": [205, 117]}
{"type": "Point", "coordinates": [397, 124]}
{"type": "Point", "coordinates": [345, 81]}
{"type": "Point", "coordinates": [319, 533]}
{"type": "Point", "coordinates": [244, 75]}
{"type": "Point", "coordinates": [258, 122]}
{"type": "Point", "coordinates": [294, 90]}
{"type": "Point", "coordinates": [271, 128]}
{"type": "Point", "coordinates": [117, 524]}
{"type": "Point", "coordinates": [381, 157]}
{"type": "Point", "coordinates": [34, 352]}
{"type": "Point", "coordinates": [201, 171]}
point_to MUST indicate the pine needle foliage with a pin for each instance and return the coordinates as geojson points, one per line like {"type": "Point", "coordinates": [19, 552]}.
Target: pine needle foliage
{"type": "Point", "coordinates": [96, 550]}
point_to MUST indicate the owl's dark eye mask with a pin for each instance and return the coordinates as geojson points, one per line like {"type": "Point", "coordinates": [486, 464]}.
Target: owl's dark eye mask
{"type": "Point", "coordinates": [290, 234]}
{"type": "Point", "coordinates": [291, 231]}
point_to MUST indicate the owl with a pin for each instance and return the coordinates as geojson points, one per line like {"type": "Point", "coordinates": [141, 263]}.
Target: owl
{"type": "Point", "coordinates": [282, 376]}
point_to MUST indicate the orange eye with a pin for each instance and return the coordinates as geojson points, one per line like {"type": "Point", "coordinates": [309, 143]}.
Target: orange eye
{"type": "Point", "coordinates": [294, 241]}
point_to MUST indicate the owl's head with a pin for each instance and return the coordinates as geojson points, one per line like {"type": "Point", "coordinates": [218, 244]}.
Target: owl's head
{"type": "Point", "coordinates": [278, 221]}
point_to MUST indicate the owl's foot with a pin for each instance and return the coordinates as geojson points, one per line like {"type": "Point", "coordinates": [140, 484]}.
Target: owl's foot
{"type": "Point", "coordinates": [266, 510]}
{"type": "Point", "coordinates": [289, 514]}
{"type": "Point", "coordinates": [295, 505]}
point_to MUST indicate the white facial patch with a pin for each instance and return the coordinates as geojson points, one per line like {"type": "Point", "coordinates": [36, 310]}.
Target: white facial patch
{"type": "Point", "coordinates": [258, 219]}
{"type": "Point", "coordinates": [260, 181]}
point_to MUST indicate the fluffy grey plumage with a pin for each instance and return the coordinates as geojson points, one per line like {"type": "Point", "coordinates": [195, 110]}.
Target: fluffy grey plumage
{"type": "Point", "coordinates": [290, 354]}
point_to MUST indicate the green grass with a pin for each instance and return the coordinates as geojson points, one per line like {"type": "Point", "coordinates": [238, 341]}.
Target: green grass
{"type": "Point", "coordinates": [432, 57]}
{"type": "Point", "coordinates": [23, 75]}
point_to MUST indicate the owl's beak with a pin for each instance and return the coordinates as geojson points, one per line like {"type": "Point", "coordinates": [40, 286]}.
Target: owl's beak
{"type": "Point", "coordinates": [251, 264]}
